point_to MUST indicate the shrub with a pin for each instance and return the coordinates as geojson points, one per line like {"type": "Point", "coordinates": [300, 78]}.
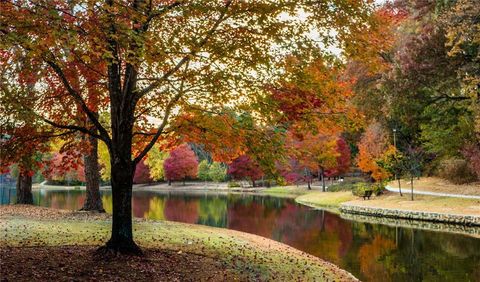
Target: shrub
{"type": "Point", "coordinates": [233, 184]}
{"type": "Point", "coordinates": [217, 172]}
{"type": "Point", "coordinates": [457, 171]}
{"type": "Point", "coordinates": [378, 188]}
{"type": "Point", "coordinates": [281, 181]}
{"type": "Point", "coordinates": [360, 188]}
{"type": "Point", "coordinates": [341, 187]}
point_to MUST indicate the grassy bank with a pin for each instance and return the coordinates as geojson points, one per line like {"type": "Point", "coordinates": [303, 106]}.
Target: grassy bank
{"type": "Point", "coordinates": [286, 191]}
{"type": "Point", "coordinates": [236, 255]}
{"type": "Point", "coordinates": [328, 200]}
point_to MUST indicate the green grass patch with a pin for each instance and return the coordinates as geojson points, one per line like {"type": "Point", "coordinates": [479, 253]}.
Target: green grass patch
{"type": "Point", "coordinates": [286, 191]}
{"type": "Point", "coordinates": [325, 199]}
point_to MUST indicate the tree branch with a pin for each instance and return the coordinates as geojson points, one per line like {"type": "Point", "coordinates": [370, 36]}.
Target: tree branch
{"type": "Point", "coordinates": [72, 127]}
{"type": "Point", "coordinates": [187, 57]}
{"type": "Point", "coordinates": [91, 115]}
{"type": "Point", "coordinates": [168, 110]}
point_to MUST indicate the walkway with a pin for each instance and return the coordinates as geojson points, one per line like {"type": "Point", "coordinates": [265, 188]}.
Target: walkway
{"type": "Point", "coordinates": [407, 191]}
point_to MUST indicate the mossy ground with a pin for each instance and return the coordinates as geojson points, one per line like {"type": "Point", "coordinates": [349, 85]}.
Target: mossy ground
{"type": "Point", "coordinates": [251, 257]}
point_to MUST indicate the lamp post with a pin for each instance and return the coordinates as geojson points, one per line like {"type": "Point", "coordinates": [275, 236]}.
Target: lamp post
{"type": "Point", "coordinates": [395, 174]}
{"type": "Point", "coordinates": [395, 138]}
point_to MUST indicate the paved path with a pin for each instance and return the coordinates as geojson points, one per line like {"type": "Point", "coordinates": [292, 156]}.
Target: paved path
{"type": "Point", "coordinates": [407, 191]}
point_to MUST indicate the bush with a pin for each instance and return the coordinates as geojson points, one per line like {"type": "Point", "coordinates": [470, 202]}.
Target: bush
{"type": "Point", "coordinates": [378, 188]}
{"type": "Point", "coordinates": [360, 188]}
{"type": "Point", "coordinates": [217, 172]}
{"type": "Point", "coordinates": [233, 184]}
{"type": "Point", "coordinates": [341, 187]}
{"type": "Point", "coordinates": [457, 171]}
{"type": "Point", "coordinates": [281, 181]}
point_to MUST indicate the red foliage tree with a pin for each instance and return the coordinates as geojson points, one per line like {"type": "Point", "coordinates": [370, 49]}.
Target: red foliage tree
{"type": "Point", "coordinates": [471, 152]}
{"type": "Point", "coordinates": [65, 167]}
{"type": "Point", "coordinates": [343, 160]}
{"type": "Point", "coordinates": [181, 164]}
{"type": "Point", "coordinates": [142, 174]}
{"type": "Point", "coordinates": [245, 167]}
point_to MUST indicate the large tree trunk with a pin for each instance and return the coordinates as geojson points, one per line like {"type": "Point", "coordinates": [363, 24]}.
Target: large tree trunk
{"type": "Point", "coordinates": [24, 188]}
{"type": "Point", "coordinates": [122, 181]}
{"type": "Point", "coordinates": [122, 168]}
{"type": "Point", "coordinates": [93, 201]}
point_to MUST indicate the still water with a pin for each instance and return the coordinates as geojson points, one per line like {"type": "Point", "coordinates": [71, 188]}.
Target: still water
{"type": "Point", "coordinates": [372, 252]}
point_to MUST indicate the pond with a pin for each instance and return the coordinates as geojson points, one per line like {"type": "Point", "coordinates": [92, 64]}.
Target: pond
{"type": "Point", "coordinates": [372, 252]}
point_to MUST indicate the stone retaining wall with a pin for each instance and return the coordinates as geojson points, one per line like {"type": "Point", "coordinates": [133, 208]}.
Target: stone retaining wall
{"type": "Point", "coordinates": [417, 224]}
{"type": "Point", "coordinates": [467, 220]}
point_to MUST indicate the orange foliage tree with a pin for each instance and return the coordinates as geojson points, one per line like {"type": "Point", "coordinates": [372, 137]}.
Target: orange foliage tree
{"type": "Point", "coordinates": [372, 147]}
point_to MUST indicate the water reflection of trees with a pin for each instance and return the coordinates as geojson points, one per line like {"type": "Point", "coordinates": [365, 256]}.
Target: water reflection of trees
{"type": "Point", "coordinates": [213, 211]}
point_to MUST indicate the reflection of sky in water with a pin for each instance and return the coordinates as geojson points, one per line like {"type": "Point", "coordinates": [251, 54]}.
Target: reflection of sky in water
{"type": "Point", "coordinates": [371, 252]}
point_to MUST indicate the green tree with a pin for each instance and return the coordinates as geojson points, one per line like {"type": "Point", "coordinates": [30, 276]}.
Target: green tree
{"type": "Point", "coordinates": [203, 170]}
{"type": "Point", "coordinates": [217, 172]}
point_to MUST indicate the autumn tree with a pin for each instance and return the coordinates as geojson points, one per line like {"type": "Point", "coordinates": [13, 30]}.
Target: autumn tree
{"type": "Point", "coordinates": [422, 76]}
{"type": "Point", "coordinates": [372, 146]}
{"type": "Point", "coordinates": [154, 161]}
{"type": "Point", "coordinates": [17, 142]}
{"type": "Point", "coordinates": [315, 152]}
{"type": "Point", "coordinates": [343, 161]}
{"type": "Point", "coordinates": [244, 167]}
{"type": "Point", "coordinates": [26, 154]}
{"type": "Point", "coordinates": [181, 164]}
{"type": "Point", "coordinates": [142, 174]}
{"type": "Point", "coordinates": [160, 58]}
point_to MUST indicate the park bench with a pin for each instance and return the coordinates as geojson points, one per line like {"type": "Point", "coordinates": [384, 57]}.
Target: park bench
{"type": "Point", "coordinates": [367, 194]}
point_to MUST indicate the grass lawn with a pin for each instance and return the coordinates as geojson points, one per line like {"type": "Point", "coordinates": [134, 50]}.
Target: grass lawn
{"type": "Point", "coordinates": [286, 191]}
{"type": "Point", "coordinates": [325, 199]}
{"type": "Point", "coordinates": [44, 243]}
{"type": "Point", "coordinates": [435, 184]}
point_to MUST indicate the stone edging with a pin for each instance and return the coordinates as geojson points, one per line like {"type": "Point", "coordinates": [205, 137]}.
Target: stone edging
{"type": "Point", "coordinates": [468, 220]}
{"type": "Point", "coordinates": [418, 224]}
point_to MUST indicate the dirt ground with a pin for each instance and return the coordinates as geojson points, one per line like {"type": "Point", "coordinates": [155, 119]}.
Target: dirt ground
{"type": "Point", "coordinates": [77, 263]}
{"type": "Point", "coordinates": [435, 184]}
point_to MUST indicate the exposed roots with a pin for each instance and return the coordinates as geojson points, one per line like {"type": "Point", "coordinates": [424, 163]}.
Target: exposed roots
{"type": "Point", "coordinates": [115, 249]}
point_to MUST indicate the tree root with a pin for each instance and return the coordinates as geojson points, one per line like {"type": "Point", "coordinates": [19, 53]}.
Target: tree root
{"type": "Point", "coordinates": [114, 250]}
